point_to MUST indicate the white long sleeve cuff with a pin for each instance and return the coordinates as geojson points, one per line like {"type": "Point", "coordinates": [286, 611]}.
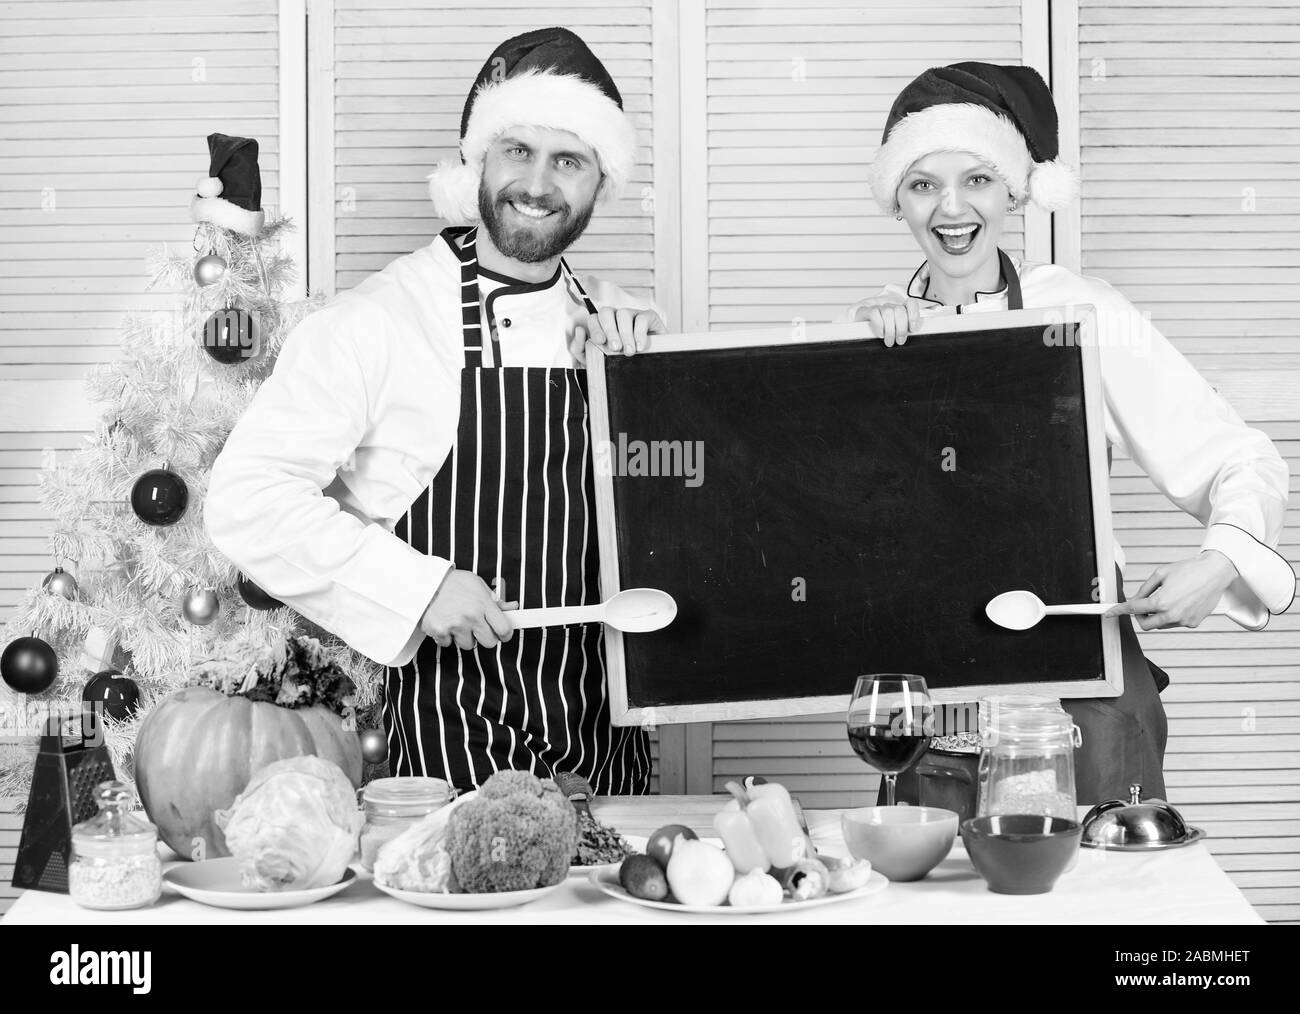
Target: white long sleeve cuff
{"type": "Point", "coordinates": [1266, 583]}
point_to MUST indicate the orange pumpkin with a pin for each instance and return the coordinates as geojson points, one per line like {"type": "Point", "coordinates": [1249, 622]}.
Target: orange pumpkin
{"type": "Point", "coordinates": [198, 748]}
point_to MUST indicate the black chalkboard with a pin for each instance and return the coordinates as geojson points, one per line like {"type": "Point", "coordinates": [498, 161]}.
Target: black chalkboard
{"type": "Point", "coordinates": [851, 509]}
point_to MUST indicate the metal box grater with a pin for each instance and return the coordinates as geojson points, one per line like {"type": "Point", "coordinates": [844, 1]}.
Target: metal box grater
{"type": "Point", "coordinates": [62, 794]}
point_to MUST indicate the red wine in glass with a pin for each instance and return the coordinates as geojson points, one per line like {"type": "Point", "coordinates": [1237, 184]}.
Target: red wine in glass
{"type": "Point", "coordinates": [886, 751]}
{"type": "Point", "coordinates": [890, 723]}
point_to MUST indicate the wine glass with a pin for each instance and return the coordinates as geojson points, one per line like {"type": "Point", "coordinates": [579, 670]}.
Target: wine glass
{"type": "Point", "coordinates": [890, 723]}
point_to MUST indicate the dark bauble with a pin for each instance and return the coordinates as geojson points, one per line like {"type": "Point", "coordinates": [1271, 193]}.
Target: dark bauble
{"type": "Point", "coordinates": [231, 335]}
{"type": "Point", "coordinates": [254, 596]}
{"type": "Point", "coordinates": [29, 665]}
{"type": "Point", "coordinates": [118, 695]}
{"type": "Point", "coordinates": [159, 497]}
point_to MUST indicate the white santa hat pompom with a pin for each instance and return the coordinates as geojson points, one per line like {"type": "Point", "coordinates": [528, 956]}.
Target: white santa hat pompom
{"type": "Point", "coordinates": [1053, 185]}
{"type": "Point", "coordinates": [453, 187]}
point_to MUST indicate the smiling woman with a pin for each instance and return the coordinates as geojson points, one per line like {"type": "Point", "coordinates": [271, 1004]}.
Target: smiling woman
{"type": "Point", "coordinates": [956, 206]}
{"type": "Point", "coordinates": [966, 145]}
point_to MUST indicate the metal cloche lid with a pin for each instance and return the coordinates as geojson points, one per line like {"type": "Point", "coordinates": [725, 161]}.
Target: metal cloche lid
{"type": "Point", "coordinates": [1136, 825]}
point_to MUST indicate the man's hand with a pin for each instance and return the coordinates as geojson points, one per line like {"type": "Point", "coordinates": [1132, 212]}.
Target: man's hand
{"type": "Point", "coordinates": [1180, 594]}
{"type": "Point", "coordinates": [465, 611]}
{"type": "Point", "coordinates": [890, 317]}
{"type": "Point", "coordinates": [618, 330]}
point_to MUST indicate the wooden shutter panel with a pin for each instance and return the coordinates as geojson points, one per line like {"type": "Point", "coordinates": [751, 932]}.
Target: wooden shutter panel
{"type": "Point", "coordinates": [796, 97]}
{"type": "Point", "coordinates": [794, 101]}
{"type": "Point", "coordinates": [1190, 155]}
{"type": "Point", "coordinates": [401, 76]}
{"type": "Point", "coordinates": [103, 130]}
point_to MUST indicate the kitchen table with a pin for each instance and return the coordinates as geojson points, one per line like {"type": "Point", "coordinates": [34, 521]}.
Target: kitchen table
{"type": "Point", "coordinates": [1182, 885]}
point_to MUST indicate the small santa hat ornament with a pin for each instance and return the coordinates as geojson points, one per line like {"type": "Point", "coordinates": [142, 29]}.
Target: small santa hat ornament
{"type": "Point", "coordinates": [230, 196]}
{"type": "Point", "coordinates": [1003, 115]}
{"type": "Point", "coordinates": [544, 78]}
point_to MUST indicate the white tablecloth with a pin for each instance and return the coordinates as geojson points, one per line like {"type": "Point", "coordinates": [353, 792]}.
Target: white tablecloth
{"type": "Point", "coordinates": [1183, 885]}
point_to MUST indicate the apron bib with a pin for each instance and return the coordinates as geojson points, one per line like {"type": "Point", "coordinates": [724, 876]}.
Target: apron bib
{"type": "Point", "coordinates": [514, 504]}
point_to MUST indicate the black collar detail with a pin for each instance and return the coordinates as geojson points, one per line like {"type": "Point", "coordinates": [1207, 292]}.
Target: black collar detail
{"type": "Point", "coordinates": [518, 285]}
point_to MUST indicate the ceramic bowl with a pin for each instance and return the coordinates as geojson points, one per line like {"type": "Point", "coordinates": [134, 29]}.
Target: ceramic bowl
{"type": "Point", "coordinates": [1020, 854]}
{"type": "Point", "coordinates": [902, 842]}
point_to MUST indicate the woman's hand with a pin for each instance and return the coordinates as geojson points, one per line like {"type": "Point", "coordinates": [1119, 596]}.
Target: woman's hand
{"type": "Point", "coordinates": [1180, 594]}
{"type": "Point", "coordinates": [619, 330]}
{"type": "Point", "coordinates": [891, 317]}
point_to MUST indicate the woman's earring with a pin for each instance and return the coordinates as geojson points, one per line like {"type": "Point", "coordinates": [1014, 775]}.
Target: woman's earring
{"type": "Point", "coordinates": [1013, 207]}
{"type": "Point", "coordinates": [898, 217]}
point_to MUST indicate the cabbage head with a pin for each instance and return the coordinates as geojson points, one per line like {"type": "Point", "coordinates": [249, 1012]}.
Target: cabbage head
{"type": "Point", "coordinates": [294, 826]}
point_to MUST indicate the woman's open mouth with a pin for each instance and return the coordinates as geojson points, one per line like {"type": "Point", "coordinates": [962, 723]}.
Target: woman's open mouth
{"type": "Point", "coordinates": [956, 239]}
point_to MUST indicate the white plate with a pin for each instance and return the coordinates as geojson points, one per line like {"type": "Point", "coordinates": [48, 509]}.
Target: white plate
{"type": "Point", "coordinates": [638, 843]}
{"type": "Point", "coordinates": [468, 902]}
{"type": "Point", "coordinates": [217, 882]}
{"type": "Point", "coordinates": [610, 885]}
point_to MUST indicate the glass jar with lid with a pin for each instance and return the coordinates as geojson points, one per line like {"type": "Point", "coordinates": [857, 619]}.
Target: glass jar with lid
{"type": "Point", "coordinates": [395, 804]}
{"type": "Point", "coordinates": [114, 862]}
{"type": "Point", "coordinates": [1027, 759]}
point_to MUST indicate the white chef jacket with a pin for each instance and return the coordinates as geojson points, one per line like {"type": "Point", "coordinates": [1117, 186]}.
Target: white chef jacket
{"type": "Point", "coordinates": [356, 419]}
{"type": "Point", "coordinates": [1180, 431]}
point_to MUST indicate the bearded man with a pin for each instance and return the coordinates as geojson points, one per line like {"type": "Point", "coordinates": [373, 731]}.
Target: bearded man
{"type": "Point", "coordinates": [421, 451]}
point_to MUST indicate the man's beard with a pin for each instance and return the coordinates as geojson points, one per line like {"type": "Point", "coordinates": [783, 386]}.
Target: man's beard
{"type": "Point", "coordinates": [531, 245]}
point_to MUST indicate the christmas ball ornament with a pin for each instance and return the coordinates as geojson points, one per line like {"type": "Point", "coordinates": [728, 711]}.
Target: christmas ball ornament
{"type": "Point", "coordinates": [209, 269]}
{"type": "Point", "coordinates": [116, 695]}
{"type": "Point", "coordinates": [254, 596]}
{"type": "Point", "coordinates": [29, 665]}
{"type": "Point", "coordinates": [374, 746]}
{"type": "Point", "coordinates": [60, 582]}
{"type": "Point", "coordinates": [231, 335]}
{"type": "Point", "coordinates": [200, 606]}
{"type": "Point", "coordinates": [159, 497]}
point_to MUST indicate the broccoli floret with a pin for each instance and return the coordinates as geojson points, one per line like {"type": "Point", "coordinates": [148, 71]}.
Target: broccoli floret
{"type": "Point", "coordinates": [510, 783]}
{"type": "Point", "coordinates": [519, 832]}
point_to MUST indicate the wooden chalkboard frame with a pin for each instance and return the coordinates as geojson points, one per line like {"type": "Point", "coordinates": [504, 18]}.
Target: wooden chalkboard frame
{"type": "Point", "coordinates": [944, 323]}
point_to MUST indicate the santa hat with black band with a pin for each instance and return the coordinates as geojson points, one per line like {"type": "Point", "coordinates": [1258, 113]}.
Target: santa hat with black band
{"type": "Point", "coordinates": [544, 78]}
{"type": "Point", "coordinates": [1003, 115]}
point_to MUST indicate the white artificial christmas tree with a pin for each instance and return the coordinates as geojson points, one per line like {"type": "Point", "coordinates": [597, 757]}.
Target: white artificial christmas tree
{"type": "Point", "coordinates": [140, 586]}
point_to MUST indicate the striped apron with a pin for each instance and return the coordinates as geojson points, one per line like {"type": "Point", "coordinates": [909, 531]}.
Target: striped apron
{"type": "Point", "coordinates": [513, 503]}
